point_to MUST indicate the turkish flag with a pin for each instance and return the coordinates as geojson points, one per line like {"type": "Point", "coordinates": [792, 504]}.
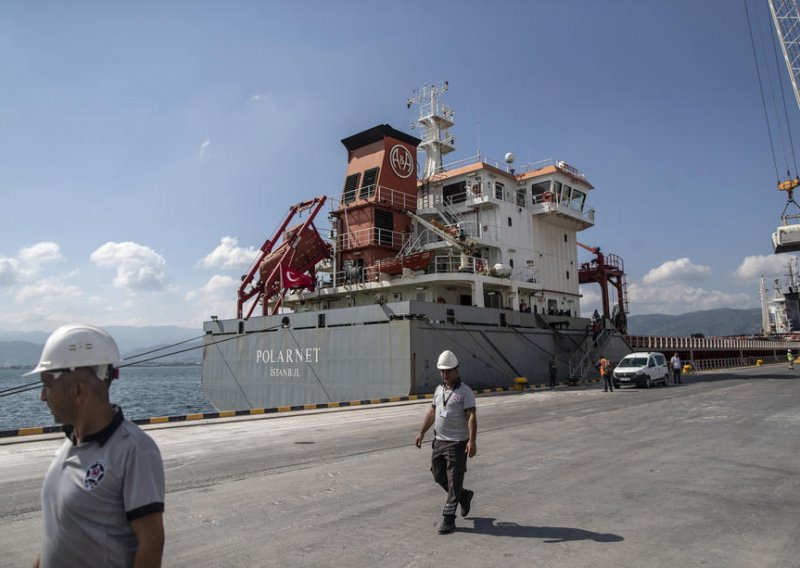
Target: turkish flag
{"type": "Point", "coordinates": [293, 279]}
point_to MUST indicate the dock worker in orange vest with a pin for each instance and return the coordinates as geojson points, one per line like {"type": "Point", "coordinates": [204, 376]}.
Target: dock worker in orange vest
{"type": "Point", "coordinates": [608, 384]}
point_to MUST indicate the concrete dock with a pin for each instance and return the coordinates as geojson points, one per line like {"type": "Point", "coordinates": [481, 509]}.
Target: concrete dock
{"type": "Point", "coordinates": [701, 474]}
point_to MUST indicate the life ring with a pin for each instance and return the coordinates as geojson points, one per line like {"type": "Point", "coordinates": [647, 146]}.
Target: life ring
{"type": "Point", "coordinates": [547, 196]}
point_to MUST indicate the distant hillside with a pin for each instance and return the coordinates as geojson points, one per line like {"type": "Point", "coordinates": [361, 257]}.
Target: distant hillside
{"type": "Point", "coordinates": [724, 321]}
{"type": "Point", "coordinates": [19, 353]}
{"type": "Point", "coordinates": [22, 349]}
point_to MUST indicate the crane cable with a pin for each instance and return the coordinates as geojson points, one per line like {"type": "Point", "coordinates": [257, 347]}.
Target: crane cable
{"type": "Point", "coordinates": [761, 88]}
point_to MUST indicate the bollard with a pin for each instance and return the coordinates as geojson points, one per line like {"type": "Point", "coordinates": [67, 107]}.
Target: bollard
{"type": "Point", "coordinates": [520, 383]}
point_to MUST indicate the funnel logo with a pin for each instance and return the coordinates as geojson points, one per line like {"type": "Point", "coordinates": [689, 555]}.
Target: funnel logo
{"type": "Point", "coordinates": [401, 160]}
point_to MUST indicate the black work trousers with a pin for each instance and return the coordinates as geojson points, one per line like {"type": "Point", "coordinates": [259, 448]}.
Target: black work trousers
{"type": "Point", "coordinates": [448, 465]}
{"type": "Point", "coordinates": [608, 384]}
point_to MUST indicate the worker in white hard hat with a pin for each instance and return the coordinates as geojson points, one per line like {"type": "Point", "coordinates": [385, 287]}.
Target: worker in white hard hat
{"type": "Point", "coordinates": [103, 495]}
{"type": "Point", "coordinates": [452, 414]}
{"type": "Point", "coordinates": [790, 357]}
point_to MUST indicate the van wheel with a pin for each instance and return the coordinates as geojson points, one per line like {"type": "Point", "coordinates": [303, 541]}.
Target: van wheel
{"type": "Point", "coordinates": [666, 380]}
{"type": "Point", "coordinates": [647, 383]}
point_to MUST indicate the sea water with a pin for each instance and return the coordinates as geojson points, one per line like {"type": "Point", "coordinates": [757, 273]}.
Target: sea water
{"type": "Point", "coordinates": [142, 392]}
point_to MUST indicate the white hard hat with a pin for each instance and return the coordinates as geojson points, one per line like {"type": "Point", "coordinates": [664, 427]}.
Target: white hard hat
{"type": "Point", "coordinates": [447, 360]}
{"type": "Point", "coordinates": [77, 345]}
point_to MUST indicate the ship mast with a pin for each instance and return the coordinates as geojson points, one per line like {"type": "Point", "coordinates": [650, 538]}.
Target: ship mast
{"type": "Point", "coordinates": [434, 119]}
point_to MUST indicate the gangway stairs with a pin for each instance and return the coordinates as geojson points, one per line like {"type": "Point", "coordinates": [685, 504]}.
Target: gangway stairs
{"type": "Point", "coordinates": [582, 361]}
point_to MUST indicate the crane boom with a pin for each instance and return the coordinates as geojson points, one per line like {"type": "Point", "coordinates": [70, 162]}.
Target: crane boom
{"type": "Point", "coordinates": [786, 17]}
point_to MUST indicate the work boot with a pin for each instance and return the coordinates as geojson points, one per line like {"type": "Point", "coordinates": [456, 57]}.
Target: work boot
{"type": "Point", "coordinates": [466, 501]}
{"type": "Point", "coordinates": [447, 525]}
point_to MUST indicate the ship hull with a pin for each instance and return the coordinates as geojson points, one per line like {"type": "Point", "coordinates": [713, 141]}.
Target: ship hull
{"type": "Point", "coordinates": [377, 351]}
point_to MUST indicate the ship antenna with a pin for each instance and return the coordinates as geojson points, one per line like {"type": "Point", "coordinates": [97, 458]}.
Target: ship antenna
{"type": "Point", "coordinates": [434, 120]}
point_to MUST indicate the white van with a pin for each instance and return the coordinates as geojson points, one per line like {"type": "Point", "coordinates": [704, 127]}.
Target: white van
{"type": "Point", "coordinates": [641, 369]}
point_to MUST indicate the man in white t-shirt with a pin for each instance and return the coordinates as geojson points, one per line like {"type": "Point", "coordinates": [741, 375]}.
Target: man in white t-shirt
{"type": "Point", "coordinates": [676, 364]}
{"type": "Point", "coordinates": [452, 414]}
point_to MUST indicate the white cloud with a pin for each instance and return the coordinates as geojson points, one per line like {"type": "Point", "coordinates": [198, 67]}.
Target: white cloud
{"type": "Point", "coordinates": [590, 299]}
{"type": "Point", "coordinates": [679, 270]}
{"type": "Point", "coordinates": [217, 297]}
{"type": "Point", "coordinates": [9, 271]}
{"type": "Point", "coordinates": [36, 255]}
{"type": "Point", "coordinates": [138, 267]}
{"type": "Point", "coordinates": [680, 298]}
{"type": "Point", "coordinates": [28, 262]}
{"type": "Point", "coordinates": [204, 149]}
{"type": "Point", "coordinates": [46, 291]}
{"type": "Point", "coordinates": [755, 266]}
{"type": "Point", "coordinates": [258, 97]}
{"type": "Point", "coordinates": [229, 254]}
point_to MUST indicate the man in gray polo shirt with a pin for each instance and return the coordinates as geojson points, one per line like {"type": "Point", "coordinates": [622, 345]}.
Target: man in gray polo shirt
{"type": "Point", "coordinates": [103, 495]}
{"type": "Point", "coordinates": [452, 414]}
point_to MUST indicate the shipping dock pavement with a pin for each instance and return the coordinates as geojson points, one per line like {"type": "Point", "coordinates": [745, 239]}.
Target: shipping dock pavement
{"type": "Point", "coordinates": [701, 474]}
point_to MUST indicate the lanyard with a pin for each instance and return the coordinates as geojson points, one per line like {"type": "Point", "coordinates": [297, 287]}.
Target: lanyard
{"type": "Point", "coordinates": [444, 388]}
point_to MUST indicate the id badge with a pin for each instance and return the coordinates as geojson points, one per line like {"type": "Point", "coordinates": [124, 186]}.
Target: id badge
{"type": "Point", "coordinates": [443, 413]}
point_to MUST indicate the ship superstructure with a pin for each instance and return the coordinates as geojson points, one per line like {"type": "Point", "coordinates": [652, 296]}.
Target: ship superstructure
{"type": "Point", "coordinates": [474, 233]}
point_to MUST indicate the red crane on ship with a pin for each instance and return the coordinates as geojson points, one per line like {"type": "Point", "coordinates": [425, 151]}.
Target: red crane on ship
{"type": "Point", "coordinates": [607, 270]}
{"type": "Point", "coordinates": [286, 262]}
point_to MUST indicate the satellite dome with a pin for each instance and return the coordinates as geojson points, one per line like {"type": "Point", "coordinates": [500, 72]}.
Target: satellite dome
{"type": "Point", "coordinates": [509, 158]}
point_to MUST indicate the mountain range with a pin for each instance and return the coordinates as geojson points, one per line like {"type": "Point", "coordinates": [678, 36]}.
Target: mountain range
{"type": "Point", "coordinates": [22, 349]}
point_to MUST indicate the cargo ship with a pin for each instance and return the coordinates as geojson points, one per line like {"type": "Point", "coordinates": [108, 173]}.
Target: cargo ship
{"type": "Point", "coordinates": [476, 256]}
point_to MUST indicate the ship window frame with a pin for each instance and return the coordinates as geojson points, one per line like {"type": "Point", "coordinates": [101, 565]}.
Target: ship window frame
{"type": "Point", "coordinates": [577, 199]}
{"type": "Point", "coordinates": [538, 190]}
{"type": "Point", "coordinates": [367, 190]}
{"type": "Point", "coordinates": [521, 197]}
{"type": "Point", "coordinates": [384, 232]}
{"type": "Point", "coordinates": [499, 191]}
{"type": "Point", "coordinates": [350, 190]}
{"type": "Point", "coordinates": [453, 193]}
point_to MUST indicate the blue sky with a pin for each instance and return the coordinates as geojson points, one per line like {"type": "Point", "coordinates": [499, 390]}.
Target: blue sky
{"type": "Point", "coordinates": [146, 149]}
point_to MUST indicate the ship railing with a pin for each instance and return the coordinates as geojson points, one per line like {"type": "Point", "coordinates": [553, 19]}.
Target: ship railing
{"type": "Point", "coordinates": [666, 343]}
{"type": "Point", "coordinates": [448, 264]}
{"type": "Point", "coordinates": [465, 229]}
{"type": "Point", "coordinates": [588, 354]}
{"type": "Point", "coordinates": [723, 363]}
{"type": "Point", "coordinates": [372, 236]}
{"type": "Point", "coordinates": [388, 196]}
{"type": "Point", "coordinates": [502, 165]}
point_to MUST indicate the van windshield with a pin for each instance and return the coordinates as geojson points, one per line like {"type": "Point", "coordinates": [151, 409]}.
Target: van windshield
{"type": "Point", "coordinates": [633, 362]}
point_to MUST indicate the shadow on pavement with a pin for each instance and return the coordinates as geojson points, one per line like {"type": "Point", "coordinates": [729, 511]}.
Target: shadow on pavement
{"type": "Point", "coordinates": [490, 526]}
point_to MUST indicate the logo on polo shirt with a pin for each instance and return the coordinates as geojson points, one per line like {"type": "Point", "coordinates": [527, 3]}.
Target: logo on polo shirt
{"type": "Point", "coordinates": [94, 475]}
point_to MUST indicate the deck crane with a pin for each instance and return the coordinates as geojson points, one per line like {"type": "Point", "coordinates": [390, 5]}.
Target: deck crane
{"type": "Point", "coordinates": [607, 270]}
{"type": "Point", "coordinates": [786, 17]}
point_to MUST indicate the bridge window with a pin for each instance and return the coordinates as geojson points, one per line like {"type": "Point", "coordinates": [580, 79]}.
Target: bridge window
{"type": "Point", "coordinates": [499, 190]}
{"type": "Point", "coordinates": [368, 185]}
{"type": "Point", "coordinates": [455, 193]}
{"type": "Point", "coordinates": [350, 187]}
{"type": "Point", "coordinates": [578, 197]}
{"type": "Point", "coordinates": [521, 197]}
{"type": "Point", "coordinates": [538, 189]}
